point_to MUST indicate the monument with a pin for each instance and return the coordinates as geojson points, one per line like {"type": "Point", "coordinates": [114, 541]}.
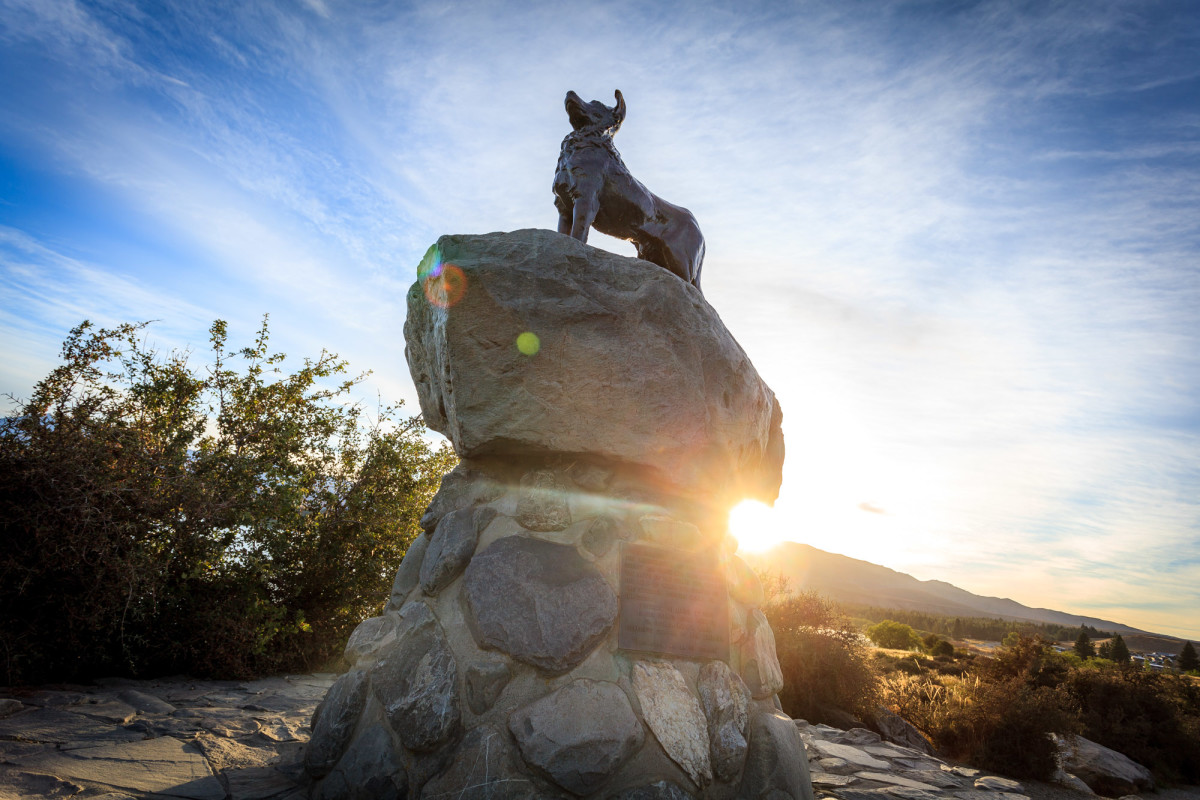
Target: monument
{"type": "Point", "coordinates": [573, 621]}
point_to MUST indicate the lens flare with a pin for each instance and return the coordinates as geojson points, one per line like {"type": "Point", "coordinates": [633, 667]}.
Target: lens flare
{"type": "Point", "coordinates": [528, 343]}
{"type": "Point", "coordinates": [755, 526]}
{"type": "Point", "coordinates": [447, 287]}
{"type": "Point", "coordinates": [431, 263]}
{"type": "Point", "coordinates": [444, 284]}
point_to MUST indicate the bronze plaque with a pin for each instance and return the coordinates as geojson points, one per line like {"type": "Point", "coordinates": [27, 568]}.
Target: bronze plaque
{"type": "Point", "coordinates": [673, 602]}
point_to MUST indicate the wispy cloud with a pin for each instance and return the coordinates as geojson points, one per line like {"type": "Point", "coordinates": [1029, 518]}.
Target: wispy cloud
{"type": "Point", "coordinates": [959, 242]}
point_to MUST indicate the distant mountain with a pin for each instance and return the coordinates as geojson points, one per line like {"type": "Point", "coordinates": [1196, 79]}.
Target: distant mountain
{"type": "Point", "coordinates": [849, 580]}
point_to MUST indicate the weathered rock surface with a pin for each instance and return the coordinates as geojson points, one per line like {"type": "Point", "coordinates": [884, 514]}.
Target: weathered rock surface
{"type": "Point", "coordinates": [482, 769]}
{"type": "Point", "coordinates": [726, 703]}
{"type": "Point", "coordinates": [370, 770]}
{"type": "Point", "coordinates": [761, 669]}
{"type": "Point", "coordinates": [336, 720]}
{"type": "Point", "coordinates": [371, 636]}
{"type": "Point", "coordinates": [145, 703]}
{"type": "Point", "coordinates": [744, 585]}
{"type": "Point", "coordinates": [897, 729]}
{"type": "Point", "coordinates": [673, 713]}
{"type": "Point", "coordinates": [1106, 771]}
{"type": "Point", "coordinates": [416, 682]}
{"type": "Point", "coordinates": [662, 790]}
{"type": "Point", "coordinates": [776, 765]}
{"type": "Point", "coordinates": [676, 395]}
{"type": "Point", "coordinates": [543, 502]}
{"type": "Point", "coordinates": [485, 681]}
{"type": "Point", "coordinates": [578, 735]}
{"type": "Point", "coordinates": [409, 574]}
{"type": "Point", "coordinates": [539, 602]}
{"type": "Point", "coordinates": [164, 765]}
{"type": "Point", "coordinates": [451, 546]}
{"type": "Point", "coordinates": [598, 539]}
{"type": "Point", "coordinates": [460, 488]}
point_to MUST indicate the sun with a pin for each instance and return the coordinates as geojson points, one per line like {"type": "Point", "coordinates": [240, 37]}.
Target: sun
{"type": "Point", "coordinates": [756, 527]}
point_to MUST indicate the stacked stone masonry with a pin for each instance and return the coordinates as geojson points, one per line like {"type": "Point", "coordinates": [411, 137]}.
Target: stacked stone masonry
{"type": "Point", "coordinates": [495, 671]}
{"type": "Point", "coordinates": [508, 661]}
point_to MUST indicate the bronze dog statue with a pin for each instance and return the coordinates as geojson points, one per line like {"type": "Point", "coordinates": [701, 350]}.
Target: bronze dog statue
{"type": "Point", "coordinates": [593, 188]}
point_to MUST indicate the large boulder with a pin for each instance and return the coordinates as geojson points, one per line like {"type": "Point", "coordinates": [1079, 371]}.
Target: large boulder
{"type": "Point", "coordinates": [516, 340]}
{"type": "Point", "coordinates": [1106, 771]}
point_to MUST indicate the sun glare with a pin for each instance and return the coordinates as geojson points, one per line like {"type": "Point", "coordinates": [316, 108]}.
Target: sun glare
{"type": "Point", "coordinates": [755, 526]}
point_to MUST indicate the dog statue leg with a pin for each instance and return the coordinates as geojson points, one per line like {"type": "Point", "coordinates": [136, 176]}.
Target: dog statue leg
{"type": "Point", "coordinates": [564, 222]}
{"type": "Point", "coordinates": [584, 210]}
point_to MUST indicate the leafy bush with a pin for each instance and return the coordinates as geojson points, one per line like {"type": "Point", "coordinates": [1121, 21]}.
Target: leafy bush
{"type": "Point", "coordinates": [823, 658]}
{"type": "Point", "coordinates": [155, 519]}
{"type": "Point", "coordinates": [1152, 717]}
{"type": "Point", "coordinates": [894, 635]}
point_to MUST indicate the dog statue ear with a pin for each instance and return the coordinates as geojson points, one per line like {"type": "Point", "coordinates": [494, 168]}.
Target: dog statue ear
{"type": "Point", "coordinates": [619, 110]}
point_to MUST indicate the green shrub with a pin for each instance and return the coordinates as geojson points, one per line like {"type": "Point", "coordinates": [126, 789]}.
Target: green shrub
{"type": "Point", "coordinates": [155, 518]}
{"type": "Point", "coordinates": [823, 658]}
{"type": "Point", "coordinates": [893, 635]}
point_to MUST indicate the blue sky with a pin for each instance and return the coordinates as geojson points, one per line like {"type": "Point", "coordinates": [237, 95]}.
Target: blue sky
{"type": "Point", "coordinates": [960, 240]}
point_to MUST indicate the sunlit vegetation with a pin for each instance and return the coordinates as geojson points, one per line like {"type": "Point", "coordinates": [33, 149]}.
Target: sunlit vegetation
{"type": "Point", "coordinates": [993, 711]}
{"type": "Point", "coordinates": [224, 521]}
{"type": "Point", "coordinates": [988, 629]}
{"type": "Point", "coordinates": [825, 660]}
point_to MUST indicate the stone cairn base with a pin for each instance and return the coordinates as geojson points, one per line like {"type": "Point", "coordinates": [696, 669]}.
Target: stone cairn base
{"type": "Point", "coordinates": [511, 662]}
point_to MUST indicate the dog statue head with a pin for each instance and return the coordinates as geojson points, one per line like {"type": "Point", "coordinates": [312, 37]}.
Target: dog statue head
{"type": "Point", "coordinates": [595, 116]}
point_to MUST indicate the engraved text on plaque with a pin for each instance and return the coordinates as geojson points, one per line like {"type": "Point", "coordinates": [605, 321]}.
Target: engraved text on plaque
{"type": "Point", "coordinates": [673, 602]}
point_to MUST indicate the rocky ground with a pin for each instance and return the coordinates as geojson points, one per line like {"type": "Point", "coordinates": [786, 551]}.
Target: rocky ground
{"type": "Point", "coordinates": [224, 740]}
{"type": "Point", "coordinates": [172, 738]}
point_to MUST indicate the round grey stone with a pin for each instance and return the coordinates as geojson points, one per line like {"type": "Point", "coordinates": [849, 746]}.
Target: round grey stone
{"type": "Point", "coordinates": [452, 545]}
{"type": "Point", "coordinates": [726, 702]}
{"type": "Point", "coordinates": [578, 735]}
{"type": "Point", "coordinates": [335, 721]}
{"type": "Point", "coordinates": [416, 681]}
{"type": "Point", "coordinates": [776, 764]}
{"type": "Point", "coordinates": [370, 770]}
{"type": "Point", "coordinates": [482, 769]}
{"type": "Point", "coordinates": [539, 602]}
{"type": "Point", "coordinates": [409, 574]}
{"type": "Point", "coordinates": [542, 505]}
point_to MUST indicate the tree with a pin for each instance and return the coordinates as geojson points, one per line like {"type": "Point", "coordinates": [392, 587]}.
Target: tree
{"type": "Point", "coordinates": [1119, 651]}
{"type": "Point", "coordinates": [1104, 650]}
{"type": "Point", "coordinates": [1084, 647]}
{"type": "Point", "coordinates": [894, 635]}
{"type": "Point", "coordinates": [156, 518]}
{"type": "Point", "coordinates": [1188, 660]}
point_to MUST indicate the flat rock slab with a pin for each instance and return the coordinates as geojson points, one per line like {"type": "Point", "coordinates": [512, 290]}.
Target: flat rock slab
{"type": "Point", "coordinates": [58, 726]}
{"type": "Point", "coordinates": [621, 344]}
{"type": "Point", "coordinates": [997, 784]}
{"type": "Point", "coordinates": [850, 754]}
{"type": "Point", "coordinates": [163, 766]}
{"type": "Point", "coordinates": [895, 780]}
{"type": "Point", "coordinates": [674, 715]}
{"type": "Point", "coordinates": [20, 785]}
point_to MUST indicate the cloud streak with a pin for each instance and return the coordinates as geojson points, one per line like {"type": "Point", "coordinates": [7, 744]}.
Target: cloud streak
{"type": "Point", "coordinates": [960, 243]}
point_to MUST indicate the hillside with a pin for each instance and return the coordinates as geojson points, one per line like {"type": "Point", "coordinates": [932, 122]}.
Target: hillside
{"type": "Point", "coordinates": [849, 580]}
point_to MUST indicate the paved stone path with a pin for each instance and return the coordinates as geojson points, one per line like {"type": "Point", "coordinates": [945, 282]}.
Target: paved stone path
{"type": "Point", "coordinates": [171, 738]}
{"type": "Point", "coordinates": [224, 740]}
